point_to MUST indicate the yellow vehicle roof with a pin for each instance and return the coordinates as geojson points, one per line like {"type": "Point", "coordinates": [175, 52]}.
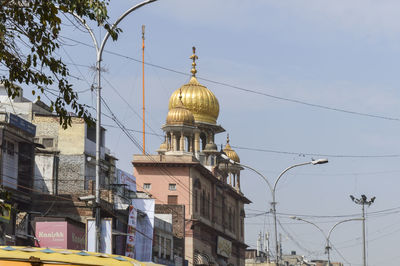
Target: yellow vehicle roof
{"type": "Point", "coordinates": [21, 256]}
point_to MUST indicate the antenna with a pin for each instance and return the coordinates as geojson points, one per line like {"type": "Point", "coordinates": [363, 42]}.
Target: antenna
{"type": "Point", "coordinates": [144, 123]}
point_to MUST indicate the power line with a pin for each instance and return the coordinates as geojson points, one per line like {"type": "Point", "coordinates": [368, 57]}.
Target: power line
{"type": "Point", "coordinates": [317, 154]}
{"type": "Point", "coordinates": [320, 106]}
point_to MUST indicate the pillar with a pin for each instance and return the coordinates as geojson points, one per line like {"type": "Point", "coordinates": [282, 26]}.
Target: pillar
{"type": "Point", "coordinates": [238, 182]}
{"type": "Point", "coordinates": [182, 142]}
{"type": "Point", "coordinates": [173, 141]}
{"type": "Point", "coordinates": [196, 142]}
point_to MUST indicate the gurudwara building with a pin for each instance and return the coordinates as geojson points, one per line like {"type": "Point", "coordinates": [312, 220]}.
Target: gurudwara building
{"type": "Point", "coordinates": [189, 171]}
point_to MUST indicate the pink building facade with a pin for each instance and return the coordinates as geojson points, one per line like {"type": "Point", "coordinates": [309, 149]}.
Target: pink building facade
{"type": "Point", "coordinates": [189, 171]}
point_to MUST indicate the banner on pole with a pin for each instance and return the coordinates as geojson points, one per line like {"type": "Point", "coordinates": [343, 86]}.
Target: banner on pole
{"type": "Point", "coordinates": [131, 231]}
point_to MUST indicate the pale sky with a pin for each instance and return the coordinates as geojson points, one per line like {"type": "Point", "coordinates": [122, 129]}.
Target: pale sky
{"type": "Point", "coordinates": [338, 54]}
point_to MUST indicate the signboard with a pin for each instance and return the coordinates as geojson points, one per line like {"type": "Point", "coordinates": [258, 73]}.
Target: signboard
{"type": "Point", "coordinates": [75, 237]}
{"type": "Point", "coordinates": [224, 247]}
{"type": "Point", "coordinates": [126, 179]}
{"type": "Point", "coordinates": [144, 228]}
{"type": "Point", "coordinates": [131, 232]}
{"type": "Point", "coordinates": [52, 234]}
{"type": "Point", "coordinates": [61, 234]}
{"type": "Point", "coordinates": [22, 124]}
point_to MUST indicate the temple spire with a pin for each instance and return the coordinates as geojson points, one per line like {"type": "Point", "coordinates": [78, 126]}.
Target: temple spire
{"type": "Point", "coordinates": [194, 57]}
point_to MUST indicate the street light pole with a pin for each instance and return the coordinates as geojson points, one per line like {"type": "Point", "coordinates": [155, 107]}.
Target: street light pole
{"type": "Point", "coordinates": [273, 189]}
{"type": "Point", "coordinates": [99, 54]}
{"type": "Point", "coordinates": [363, 201]}
{"type": "Point", "coordinates": [328, 236]}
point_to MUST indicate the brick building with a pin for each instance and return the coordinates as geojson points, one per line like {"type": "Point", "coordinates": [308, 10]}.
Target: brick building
{"type": "Point", "coordinates": [188, 171]}
{"type": "Point", "coordinates": [61, 166]}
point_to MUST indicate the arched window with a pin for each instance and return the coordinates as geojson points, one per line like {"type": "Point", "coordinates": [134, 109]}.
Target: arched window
{"type": "Point", "coordinates": [203, 139]}
{"type": "Point", "coordinates": [203, 203]}
{"type": "Point", "coordinates": [196, 199]}
{"type": "Point", "coordinates": [230, 219]}
{"type": "Point", "coordinates": [208, 206]}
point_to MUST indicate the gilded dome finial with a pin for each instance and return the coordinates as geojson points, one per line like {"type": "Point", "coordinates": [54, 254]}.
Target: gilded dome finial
{"type": "Point", "coordinates": [227, 138]}
{"type": "Point", "coordinates": [194, 57]}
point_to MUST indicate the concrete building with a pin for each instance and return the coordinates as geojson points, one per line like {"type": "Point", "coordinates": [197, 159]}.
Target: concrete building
{"type": "Point", "coordinates": [177, 214]}
{"type": "Point", "coordinates": [188, 171]}
{"type": "Point", "coordinates": [16, 170]}
{"type": "Point", "coordinates": [62, 164]}
{"type": "Point", "coordinates": [163, 240]}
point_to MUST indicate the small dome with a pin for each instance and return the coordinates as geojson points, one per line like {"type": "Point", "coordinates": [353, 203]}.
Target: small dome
{"type": "Point", "coordinates": [211, 147]}
{"type": "Point", "coordinates": [230, 152]}
{"type": "Point", "coordinates": [163, 146]}
{"type": "Point", "coordinates": [180, 115]}
{"type": "Point", "coordinates": [197, 98]}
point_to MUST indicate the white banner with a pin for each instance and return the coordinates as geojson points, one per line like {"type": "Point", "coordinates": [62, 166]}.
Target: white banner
{"type": "Point", "coordinates": [131, 231]}
{"type": "Point", "coordinates": [106, 236]}
{"type": "Point", "coordinates": [91, 234]}
{"type": "Point", "coordinates": [144, 228]}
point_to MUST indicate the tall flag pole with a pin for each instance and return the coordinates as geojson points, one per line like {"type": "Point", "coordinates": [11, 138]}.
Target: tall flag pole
{"type": "Point", "coordinates": [144, 138]}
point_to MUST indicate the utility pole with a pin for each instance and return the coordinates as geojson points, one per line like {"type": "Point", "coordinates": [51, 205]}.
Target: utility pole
{"type": "Point", "coordinates": [363, 201]}
{"type": "Point", "coordinates": [144, 120]}
{"type": "Point", "coordinates": [99, 57]}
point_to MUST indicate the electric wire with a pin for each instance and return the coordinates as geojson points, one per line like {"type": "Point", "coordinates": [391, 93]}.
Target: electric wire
{"type": "Point", "coordinates": [296, 101]}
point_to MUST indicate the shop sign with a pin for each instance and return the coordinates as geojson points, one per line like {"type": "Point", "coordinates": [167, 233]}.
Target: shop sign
{"type": "Point", "coordinates": [76, 237]}
{"type": "Point", "coordinates": [60, 235]}
{"type": "Point", "coordinates": [52, 234]}
{"type": "Point", "coordinates": [224, 247]}
{"type": "Point", "coordinates": [22, 124]}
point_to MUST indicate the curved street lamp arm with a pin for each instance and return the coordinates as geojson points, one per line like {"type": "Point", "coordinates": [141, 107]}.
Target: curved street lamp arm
{"type": "Point", "coordinates": [344, 221]}
{"type": "Point", "coordinates": [130, 10]}
{"type": "Point", "coordinates": [83, 22]}
{"type": "Point", "coordinates": [257, 172]}
{"type": "Point", "coordinates": [284, 171]}
{"type": "Point", "coordinates": [319, 228]}
{"type": "Point", "coordinates": [99, 50]}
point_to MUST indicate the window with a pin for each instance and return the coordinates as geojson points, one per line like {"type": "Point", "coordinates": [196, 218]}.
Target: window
{"type": "Point", "coordinates": [203, 203]}
{"type": "Point", "coordinates": [208, 206]}
{"type": "Point", "coordinates": [10, 148]}
{"type": "Point", "coordinates": [172, 187]}
{"type": "Point", "coordinates": [147, 186]}
{"type": "Point", "coordinates": [48, 142]}
{"type": "Point", "coordinates": [196, 199]}
{"type": "Point", "coordinates": [162, 246]}
{"type": "Point", "coordinates": [172, 199]}
{"type": "Point", "coordinates": [168, 248]}
{"type": "Point", "coordinates": [241, 228]}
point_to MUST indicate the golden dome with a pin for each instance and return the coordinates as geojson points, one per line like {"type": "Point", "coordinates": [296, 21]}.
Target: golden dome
{"type": "Point", "coordinates": [230, 152]}
{"type": "Point", "coordinates": [180, 115]}
{"type": "Point", "coordinates": [197, 98]}
{"type": "Point", "coordinates": [163, 146]}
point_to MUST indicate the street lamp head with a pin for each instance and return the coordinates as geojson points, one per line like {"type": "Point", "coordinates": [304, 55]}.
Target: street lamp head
{"type": "Point", "coordinates": [364, 198]}
{"type": "Point", "coordinates": [319, 161]}
{"type": "Point", "coordinates": [226, 158]}
{"type": "Point", "coordinates": [352, 197]}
